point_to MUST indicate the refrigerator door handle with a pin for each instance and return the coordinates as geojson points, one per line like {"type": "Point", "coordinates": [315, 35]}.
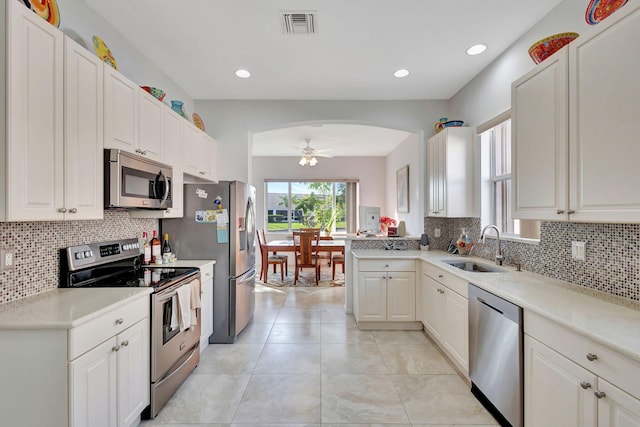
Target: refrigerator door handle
{"type": "Point", "coordinates": [249, 275]}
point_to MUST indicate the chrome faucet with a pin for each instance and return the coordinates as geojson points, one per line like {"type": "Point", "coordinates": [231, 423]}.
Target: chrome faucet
{"type": "Point", "coordinates": [499, 256]}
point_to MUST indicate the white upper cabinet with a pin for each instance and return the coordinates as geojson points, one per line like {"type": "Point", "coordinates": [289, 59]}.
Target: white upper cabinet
{"type": "Point", "coordinates": [575, 129]}
{"type": "Point", "coordinates": [120, 111]}
{"type": "Point", "coordinates": [55, 123]}
{"type": "Point", "coordinates": [450, 172]}
{"type": "Point", "coordinates": [83, 133]}
{"type": "Point", "coordinates": [151, 127]}
{"type": "Point", "coordinates": [200, 153]}
{"type": "Point", "coordinates": [35, 124]}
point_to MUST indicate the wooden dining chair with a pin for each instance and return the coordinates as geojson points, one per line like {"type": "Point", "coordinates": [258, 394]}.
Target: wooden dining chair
{"type": "Point", "coordinates": [274, 260]}
{"type": "Point", "coordinates": [305, 244]}
{"type": "Point", "coordinates": [336, 259]}
{"type": "Point", "coordinates": [322, 254]}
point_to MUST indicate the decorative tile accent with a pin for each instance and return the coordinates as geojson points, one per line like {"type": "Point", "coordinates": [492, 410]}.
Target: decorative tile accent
{"type": "Point", "coordinates": [37, 248]}
{"type": "Point", "coordinates": [380, 243]}
{"type": "Point", "coordinates": [612, 264]}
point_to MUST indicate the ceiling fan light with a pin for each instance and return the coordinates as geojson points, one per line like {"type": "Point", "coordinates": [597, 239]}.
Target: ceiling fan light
{"type": "Point", "coordinates": [313, 161]}
{"type": "Point", "coordinates": [302, 161]}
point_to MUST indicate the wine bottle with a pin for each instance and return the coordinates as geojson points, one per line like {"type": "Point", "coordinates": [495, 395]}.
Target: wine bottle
{"type": "Point", "coordinates": [146, 246]}
{"type": "Point", "coordinates": [166, 247]}
{"type": "Point", "coordinates": [156, 253]}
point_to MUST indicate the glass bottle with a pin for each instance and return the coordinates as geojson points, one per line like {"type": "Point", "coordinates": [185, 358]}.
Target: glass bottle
{"type": "Point", "coordinates": [156, 253]}
{"type": "Point", "coordinates": [464, 242]}
{"type": "Point", "coordinates": [146, 249]}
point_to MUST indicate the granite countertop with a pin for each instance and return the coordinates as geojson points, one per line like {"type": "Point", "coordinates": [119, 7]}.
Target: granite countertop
{"type": "Point", "coordinates": [181, 263]}
{"type": "Point", "coordinates": [596, 315]}
{"type": "Point", "coordinates": [65, 308]}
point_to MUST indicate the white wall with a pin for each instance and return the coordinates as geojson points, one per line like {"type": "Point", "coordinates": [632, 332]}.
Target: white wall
{"type": "Point", "coordinates": [489, 93]}
{"type": "Point", "coordinates": [411, 152]}
{"type": "Point", "coordinates": [370, 171]}
{"type": "Point", "coordinates": [231, 122]}
{"type": "Point", "coordinates": [81, 23]}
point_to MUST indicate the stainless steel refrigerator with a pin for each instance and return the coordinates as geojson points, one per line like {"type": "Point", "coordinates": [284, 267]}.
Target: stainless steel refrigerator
{"type": "Point", "coordinates": [219, 223]}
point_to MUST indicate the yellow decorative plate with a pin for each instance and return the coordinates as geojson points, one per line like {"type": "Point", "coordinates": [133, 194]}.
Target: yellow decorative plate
{"type": "Point", "coordinates": [103, 52]}
{"type": "Point", "coordinates": [197, 120]}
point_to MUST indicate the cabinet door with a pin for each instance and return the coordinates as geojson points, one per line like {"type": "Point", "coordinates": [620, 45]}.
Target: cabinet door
{"type": "Point", "coordinates": [617, 408]}
{"type": "Point", "coordinates": [192, 150]}
{"type": "Point", "coordinates": [540, 141]}
{"type": "Point", "coordinates": [207, 313]}
{"type": "Point", "coordinates": [372, 296]}
{"type": "Point", "coordinates": [603, 97]}
{"type": "Point", "coordinates": [209, 157]}
{"type": "Point", "coordinates": [553, 392]}
{"type": "Point", "coordinates": [432, 305]}
{"type": "Point", "coordinates": [120, 111]}
{"type": "Point", "coordinates": [83, 133]}
{"type": "Point", "coordinates": [456, 327]}
{"type": "Point", "coordinates": [172, 138]}
{"type": "Point", "coordinates": [133, 372]}
{"type": "Point", "coordinates": [436, 175]}
{"type": "Point", "coordinates": [93, 390]}
{"type": "Point", "coordinates": [401, 296]}
{"type": "Point", "coordinates": [35, 123]}
{"type": "Point", "coordinates": [150, 127]}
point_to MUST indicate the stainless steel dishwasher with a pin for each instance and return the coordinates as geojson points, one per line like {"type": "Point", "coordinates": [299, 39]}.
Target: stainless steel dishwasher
{"type": "Point", "coordinates": [495, 355]}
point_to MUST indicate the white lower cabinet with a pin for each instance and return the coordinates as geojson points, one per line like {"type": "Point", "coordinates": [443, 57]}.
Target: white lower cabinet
{"type": "Point", "coordinates": [206, 298]}
{"type": "Point", "coordinates": [386, 291]}
{"type": "Point", "coordinates": [569, 380]}
{"type": "Point", "coordinates": [445, 313]}
{"type": "Point", "coordinates": [110, 383]}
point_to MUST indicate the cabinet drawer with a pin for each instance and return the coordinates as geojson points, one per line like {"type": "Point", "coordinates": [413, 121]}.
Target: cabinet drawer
{"type": "Point", "coordinates": [206, 272]}
{"type": "Point", "coordinates": [448, 279]}
{"type": "Point", "coordinates": [610, 365]}
{"type": "Point", "coordinates": [387, 265]}
{"type": "Point", "coordinates": [90, 334]}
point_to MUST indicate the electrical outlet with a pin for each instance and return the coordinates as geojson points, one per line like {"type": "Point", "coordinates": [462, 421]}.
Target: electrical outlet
{"type": "Point", "coordinates": [7, 259]}
{"type": "Point", "coordinates": [436, 232]}
{"type": "Point", "coordinates": [578, 251]}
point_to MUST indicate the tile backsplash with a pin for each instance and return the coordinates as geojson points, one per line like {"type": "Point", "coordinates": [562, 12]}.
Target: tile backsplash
{"type": "Point", "coordinates": [37, 246]}
{"type": "Point", "coordinates": [612, 263]}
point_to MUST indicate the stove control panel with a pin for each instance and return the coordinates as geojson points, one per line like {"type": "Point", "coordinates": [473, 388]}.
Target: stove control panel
{"type": "Point", "coordinates": [93, 254]}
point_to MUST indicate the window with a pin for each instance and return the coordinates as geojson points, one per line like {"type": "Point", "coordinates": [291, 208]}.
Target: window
{"type": "Point", "coordinates": [496, 183]}
{"type": "Point", "coordinates": [291, 205]}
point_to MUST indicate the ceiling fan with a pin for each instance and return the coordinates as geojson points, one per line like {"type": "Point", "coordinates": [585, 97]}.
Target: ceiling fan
{"type": "Point", "coordinates": [309, 154]}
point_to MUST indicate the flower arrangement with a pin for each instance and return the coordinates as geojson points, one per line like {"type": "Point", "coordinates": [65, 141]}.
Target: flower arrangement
{"type": "Point", "coordinates": [385, 220]}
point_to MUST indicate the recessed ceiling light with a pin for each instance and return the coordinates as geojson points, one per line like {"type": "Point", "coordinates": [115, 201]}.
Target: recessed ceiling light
{"type": "Point", "coordinates": [243, 74]}
{"type": "Point", "coordinates": [476, 49]}
{"type": "Point", "coordinates": [402, 72]}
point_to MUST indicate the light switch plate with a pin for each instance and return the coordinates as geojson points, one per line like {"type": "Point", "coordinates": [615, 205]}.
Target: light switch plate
{"type": "Point", "coordinates": [436, 232]}
{"type": "Point", "coordinates": [578, 251]}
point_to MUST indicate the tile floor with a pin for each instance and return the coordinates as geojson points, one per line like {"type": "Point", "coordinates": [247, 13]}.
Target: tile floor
{"type": "Point", "coordinates": [303, 362]}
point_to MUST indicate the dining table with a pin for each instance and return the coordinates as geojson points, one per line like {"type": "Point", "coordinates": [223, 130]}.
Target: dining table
{"type": "Point", "coordinates": [286, 245]}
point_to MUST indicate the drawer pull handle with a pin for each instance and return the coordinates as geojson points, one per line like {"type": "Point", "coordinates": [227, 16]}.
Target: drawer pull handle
{"type": "Point", "coordinates": [600, 394]}
{"type": "Point", "coordinates": [125, 343]}
{"type": "Point", "coordinates": [119, 321]}
{"type": "Point", "coordinates": [571, 211]}
{"type": "Point", "coordinates": [115, 348]}
{"type": "Point", "coordinates": [585, 385]}
{"type": "Point", "coordinates": [62, 210]}
{"type": "Point", "coordinates": [559, 211]}
{"type": "Point", "coordinates": [440, 276]}
{"type": "Point", "coordinates": [591, 357]}
{"type": "Point", "coordinates": [386, 265]}
{"type": "Point", "coordinates": [73, 210]}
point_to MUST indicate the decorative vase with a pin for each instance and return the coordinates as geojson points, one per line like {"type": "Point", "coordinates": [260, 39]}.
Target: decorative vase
{"type": "Point", "coordinates": [383, 229]}
{"type": "Point", "coordinates": [464, 242]}
{"type": "Point", "coordinates": [178, 107]}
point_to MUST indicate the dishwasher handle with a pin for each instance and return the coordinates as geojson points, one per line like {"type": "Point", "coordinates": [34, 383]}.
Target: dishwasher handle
{"type": "Point", "coordinates": [482, 301]}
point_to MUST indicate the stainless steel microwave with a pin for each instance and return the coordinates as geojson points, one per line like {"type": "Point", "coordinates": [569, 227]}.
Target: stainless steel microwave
{"type": "Point", "coordinates": [135, 182]}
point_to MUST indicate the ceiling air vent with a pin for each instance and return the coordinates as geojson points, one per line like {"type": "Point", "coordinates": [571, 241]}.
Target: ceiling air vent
{"type": "Point", "coordinates": [298, 23]}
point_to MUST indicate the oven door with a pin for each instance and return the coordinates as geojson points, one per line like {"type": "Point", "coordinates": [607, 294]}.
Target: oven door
{"type": "Point", "coordinates": [168, 343]}
{"type": "Point", "coordinates": [136, 182]}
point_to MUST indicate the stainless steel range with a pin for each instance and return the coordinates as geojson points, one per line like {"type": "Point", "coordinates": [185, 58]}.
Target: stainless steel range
{"type": "Point", "coordinates": [175, 351]}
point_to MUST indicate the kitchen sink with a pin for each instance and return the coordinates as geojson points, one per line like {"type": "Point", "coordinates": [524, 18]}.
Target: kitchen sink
{"type": "Point", "coordinates": [475, 267]}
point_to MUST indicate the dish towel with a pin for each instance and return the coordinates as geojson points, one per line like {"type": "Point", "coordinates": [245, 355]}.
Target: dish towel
{"type": "Point", "coordinates": [195, 302]}
{"type": "Point", "coordinates": [173, 324]}
{"type": "Point", "coordinates": [184, 307]}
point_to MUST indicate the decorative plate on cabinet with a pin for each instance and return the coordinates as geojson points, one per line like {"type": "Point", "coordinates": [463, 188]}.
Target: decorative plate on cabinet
{"type": "Point", "coordinates": [542, 49]}
{"type": "Point", "coordinates": [598, 10]}
{"type": "Point", "coordinates": [103, 52]}
{"type": "Point", "coordinates": [46, 9]}
{"type": "Point", "coordinates": [197, 120]}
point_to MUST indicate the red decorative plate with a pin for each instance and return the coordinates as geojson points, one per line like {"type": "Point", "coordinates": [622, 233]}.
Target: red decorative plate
{"type": "Point", "coordinates": [598, 10]}
{"type": "Point", "coordinates": [46, 9]}
{"type": "Point", "coordinates": [542, 49]}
